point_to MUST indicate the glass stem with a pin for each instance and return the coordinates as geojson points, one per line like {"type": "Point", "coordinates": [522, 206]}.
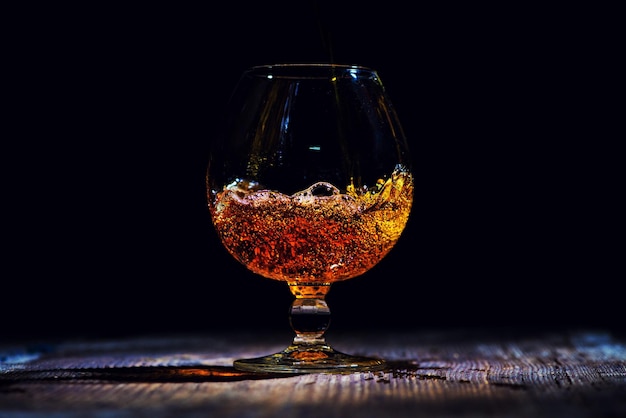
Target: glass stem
{"type": "Point", "coordinates": [309, 315]}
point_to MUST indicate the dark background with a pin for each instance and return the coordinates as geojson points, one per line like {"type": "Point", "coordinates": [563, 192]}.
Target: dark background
{"type": "Point", "coordinates": [511, 117]}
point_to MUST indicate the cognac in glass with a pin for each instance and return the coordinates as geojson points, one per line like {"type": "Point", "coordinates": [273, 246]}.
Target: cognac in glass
{"type": "Point", "coordinates": [309, 183]}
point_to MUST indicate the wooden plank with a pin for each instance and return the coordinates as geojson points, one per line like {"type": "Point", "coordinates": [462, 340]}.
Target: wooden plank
{"type": "Point", "coordinates": [431, 374]}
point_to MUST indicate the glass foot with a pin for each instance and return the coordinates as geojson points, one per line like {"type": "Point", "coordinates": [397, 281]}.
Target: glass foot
{"type": "Point", "coordinates": [310, 359]}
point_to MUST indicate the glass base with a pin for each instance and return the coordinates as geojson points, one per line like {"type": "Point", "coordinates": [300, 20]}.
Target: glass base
{"type": "Point", "coordinates": [318, 358]}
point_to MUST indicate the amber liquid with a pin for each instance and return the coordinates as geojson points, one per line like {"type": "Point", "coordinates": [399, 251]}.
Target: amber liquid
{"type": "Point", "coordinates": [318, 235]}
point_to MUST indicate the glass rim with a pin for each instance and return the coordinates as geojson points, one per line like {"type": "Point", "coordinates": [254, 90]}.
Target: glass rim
{"type": "Point", "coordinates": [309, 70]}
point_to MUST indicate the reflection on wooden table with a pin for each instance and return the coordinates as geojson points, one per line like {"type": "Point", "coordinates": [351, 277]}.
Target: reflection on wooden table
{"type": "Point", "coordinates": [445, 373]}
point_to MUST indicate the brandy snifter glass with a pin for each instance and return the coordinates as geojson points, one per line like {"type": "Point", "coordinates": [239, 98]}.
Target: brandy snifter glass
{"type": "Point", "coordinates": [309, 183]}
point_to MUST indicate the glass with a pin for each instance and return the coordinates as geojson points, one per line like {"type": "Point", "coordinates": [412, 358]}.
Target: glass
{"type": "Point", "coordinates": [310, 183]}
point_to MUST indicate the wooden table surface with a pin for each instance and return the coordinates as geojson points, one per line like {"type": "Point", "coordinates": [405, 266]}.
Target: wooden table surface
{"type": "Point", "coordinates": [447, 373]}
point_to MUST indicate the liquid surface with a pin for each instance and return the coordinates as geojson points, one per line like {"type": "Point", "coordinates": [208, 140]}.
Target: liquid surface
{"type": "Point", "coordinates": [317, 235]}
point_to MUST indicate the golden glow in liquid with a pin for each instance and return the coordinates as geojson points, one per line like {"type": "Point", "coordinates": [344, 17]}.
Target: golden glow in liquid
{"type": "Point", "coordinates": [316, 235]}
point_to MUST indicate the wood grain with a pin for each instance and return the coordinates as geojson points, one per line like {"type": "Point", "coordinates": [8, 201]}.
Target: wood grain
{"type": "Point", "coordinates": [436, 374]}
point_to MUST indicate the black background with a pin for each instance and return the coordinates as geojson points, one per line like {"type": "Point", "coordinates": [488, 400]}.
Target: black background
{"type": "Point", "coordinates": [510, 114]}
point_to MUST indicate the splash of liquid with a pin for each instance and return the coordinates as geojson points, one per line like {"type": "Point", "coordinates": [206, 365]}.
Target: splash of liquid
{"type": "Point", "coordinates": [316, 235]}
